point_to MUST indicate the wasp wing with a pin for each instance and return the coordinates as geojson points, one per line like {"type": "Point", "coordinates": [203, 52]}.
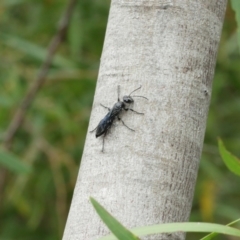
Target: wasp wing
{"type": "Point", "coordinates": [104, 125]}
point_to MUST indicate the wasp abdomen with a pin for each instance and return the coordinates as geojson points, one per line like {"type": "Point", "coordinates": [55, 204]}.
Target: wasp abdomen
{"type": "Point", "coordinates": [104, 125]}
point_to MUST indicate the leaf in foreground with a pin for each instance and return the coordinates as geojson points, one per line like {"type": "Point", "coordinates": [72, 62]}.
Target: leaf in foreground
{"type": "Point", "coordinates": [232, 162]}
{"type": "Point", "coordinates": [123, 234]}
{"type": "Point", "coordinates": [213, 234]}
{"type": "Point", "coordinates": [181, 227]}
{"type": "Point", "coordinates": [115, 226]}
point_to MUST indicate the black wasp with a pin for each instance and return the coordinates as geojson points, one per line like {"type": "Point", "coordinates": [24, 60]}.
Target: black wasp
{"type": "Point", "coordinates": [114, 112]}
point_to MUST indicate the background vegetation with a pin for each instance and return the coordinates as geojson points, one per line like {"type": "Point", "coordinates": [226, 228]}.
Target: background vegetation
{"type": "Point", "coordinates": [36, 194]}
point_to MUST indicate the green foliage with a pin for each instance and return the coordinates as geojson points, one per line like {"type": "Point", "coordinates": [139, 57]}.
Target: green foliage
{"type": "Point", "coordinates": [12, 163]}
{"type": "Point", "coordinates": [33, 50]}
{"type": "Point", "coordinates": [230, 160]}
{"type": "Point", "coordinates": [113, 224]}
{"type": "Point", "coordinates": [214, 234]}
{"type": "Point", "coordinates": [236, 8]}
{"type": "Point", "coordinates": [216, 196]}
{"type": "Point", "coordinates": [35, 204]}
{"type": "Point", "coordinates": [124, 234]}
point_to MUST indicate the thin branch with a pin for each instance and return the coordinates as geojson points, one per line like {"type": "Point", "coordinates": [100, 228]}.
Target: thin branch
{"type": "Point", "coordinates": [20, 114]}
{"type": "Point", "coordinates": [40, 78]}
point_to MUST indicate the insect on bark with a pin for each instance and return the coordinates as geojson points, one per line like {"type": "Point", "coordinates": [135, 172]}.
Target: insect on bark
{"type": "Point", "coordinates": [113, 114]}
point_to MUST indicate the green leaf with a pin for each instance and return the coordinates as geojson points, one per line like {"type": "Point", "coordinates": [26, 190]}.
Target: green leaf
{"type": "Point", "coordinates": [214, 234]}
{"type": "Point", "coordinates": [34, 50]}
{"type": "Point", "coordinates": [115, 227]}
{"type": "Point", "coordinates": [181, 227]}
{"type": "Point", "coordinates": [9, 3]}
{"type": "Point", "coordinates": [75, 36]}
{"type": "Point", "coordinates": [12, 163]}
{"type": "Point", "coordinates": [124, 234]}
{"type": "Point", "coordinates": [236, 8]}
{"type": "Point", "coordinates": [232, 162]}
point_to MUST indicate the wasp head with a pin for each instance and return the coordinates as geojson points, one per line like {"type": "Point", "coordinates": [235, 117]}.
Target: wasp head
{"type": "Point", "coordinates": [128, 99]}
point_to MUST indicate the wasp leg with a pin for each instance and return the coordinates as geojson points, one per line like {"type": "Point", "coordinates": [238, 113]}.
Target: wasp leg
{"type": "Point", "coordinates": [126, 109]}
{"type": "Point", "coordinates": [105, 107]}
{"type": "Point", "coordinates": [118, 90]}
{"type": "Point", "coordinates": [103, 141]}
{"type": "Point", "coordinates": [125, 124]}
{"type": "Point", "coordinates": [93, 129]}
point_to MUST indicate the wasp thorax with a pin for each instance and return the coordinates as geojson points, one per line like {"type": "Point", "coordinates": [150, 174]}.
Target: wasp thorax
{"type": "Point", "coordinates": [127, 99]}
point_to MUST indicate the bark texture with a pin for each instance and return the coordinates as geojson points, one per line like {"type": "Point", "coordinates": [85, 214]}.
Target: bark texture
{"type": "Point", "coordinates": [148, 176]}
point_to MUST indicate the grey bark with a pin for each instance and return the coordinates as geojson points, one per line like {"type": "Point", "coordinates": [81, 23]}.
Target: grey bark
{"type": "Point", "coordinates": [148, 176]}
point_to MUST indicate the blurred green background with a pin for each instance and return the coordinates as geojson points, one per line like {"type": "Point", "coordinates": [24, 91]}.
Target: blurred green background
{"type": "Point", "coordinates": [34, 205]}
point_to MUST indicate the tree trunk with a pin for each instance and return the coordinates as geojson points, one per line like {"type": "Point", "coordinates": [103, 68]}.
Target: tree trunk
{"type": "Point", "coordinates": [148, 176]}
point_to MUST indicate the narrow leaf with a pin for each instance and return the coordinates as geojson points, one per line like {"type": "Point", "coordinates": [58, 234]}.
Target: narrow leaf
{"type": "Point", "coordinates": [181, 227]}
{"type": "Point", "coordinates": [115, 227]}
{"type": "Point", "coordinates": [236, 8]}
{"type": "Point", "coordinates": [123, 234]}
{"type": "Point", "coordinates": [12, 163]}
{"type": "Point", "coordinates": [232, 162]}
{"type": "Point", "coordinates": [214, 234]}
{"type": "Point", "coordinates": [33, 50]}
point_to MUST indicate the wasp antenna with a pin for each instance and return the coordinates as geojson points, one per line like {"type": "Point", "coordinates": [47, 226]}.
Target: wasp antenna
{"type": "Point", "coordinates": [135, 90]}
{"type": "Point", "coordinates": [141, 97]}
